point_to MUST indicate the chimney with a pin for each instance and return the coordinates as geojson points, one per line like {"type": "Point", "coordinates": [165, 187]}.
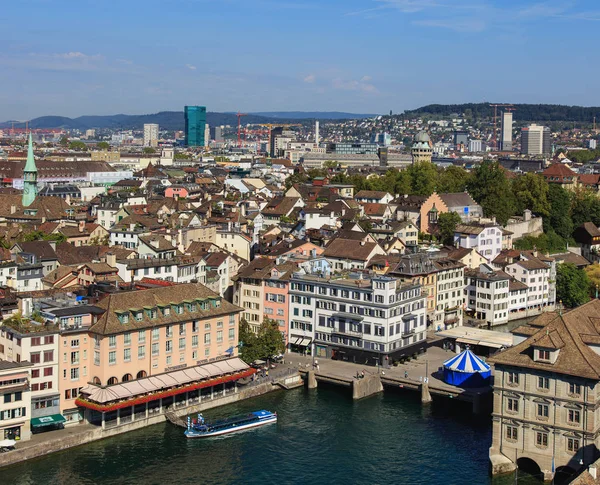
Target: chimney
{"type": "Point", "coordinates": [111, 260]}
{"type": "Point", "coordinates": [81, 226]}
{"type": "Point", "coordinates": [527, 215]}
{"type": "Point", "coordinates": [593, 471]}
{"type": "Point", "coordinates": [131, 227]}
{"type": "Point", "coordinates": [13, 209]}
{"type": "Point", "coordinates": [362, 243]}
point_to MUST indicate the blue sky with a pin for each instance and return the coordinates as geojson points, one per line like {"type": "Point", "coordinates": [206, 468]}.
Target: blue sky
{"type": "Point", "coordinates": [86, 57]}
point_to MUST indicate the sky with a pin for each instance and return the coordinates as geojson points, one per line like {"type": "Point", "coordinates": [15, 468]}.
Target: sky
{"type": "Point", "coordinates": [99, 57]}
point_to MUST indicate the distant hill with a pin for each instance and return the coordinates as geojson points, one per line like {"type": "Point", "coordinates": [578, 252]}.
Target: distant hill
{"type": "Point", "coordinates": [314, 115]}
{"type": "Point", "coordinates": [172, 120]}
{"type": "Point", "coordinates": [523, 112]}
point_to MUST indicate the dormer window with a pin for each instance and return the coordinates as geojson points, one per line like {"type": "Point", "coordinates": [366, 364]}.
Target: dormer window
{"type": "Point", "coordinates": [138, 315]}
{"type": "Point", "coordinates": [178, 309]}
{"type": "Point", "coordinates": [123, 317]}
{"type": "Point", "coordinates": [543, 354]}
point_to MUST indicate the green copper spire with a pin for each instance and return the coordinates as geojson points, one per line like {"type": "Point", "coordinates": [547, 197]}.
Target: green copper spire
{"type": "Point", "coordinates": [30, 165]}
{"type": "Point", "coordinates": [29, 177]}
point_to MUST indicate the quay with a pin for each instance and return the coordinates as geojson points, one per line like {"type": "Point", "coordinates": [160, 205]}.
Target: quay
{"type": "Point", "coordinates": [59, 440]}
{"type": "Point", "coordinates": [421, 375]}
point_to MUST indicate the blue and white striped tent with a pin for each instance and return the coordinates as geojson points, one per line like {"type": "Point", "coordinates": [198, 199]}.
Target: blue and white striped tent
{"type": "Point", "coordinates": [466, 370]}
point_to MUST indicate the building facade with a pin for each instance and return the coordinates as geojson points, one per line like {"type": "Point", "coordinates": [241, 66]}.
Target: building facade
{"type": "Point", "coordinates": [195, 125]}
{"type": "Point", "coordinates": [150, 135]}
{"type": "Point", "coordinates": [535, 140]}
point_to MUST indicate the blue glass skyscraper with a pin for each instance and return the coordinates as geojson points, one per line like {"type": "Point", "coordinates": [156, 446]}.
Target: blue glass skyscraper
{"type": "Point", "coordinates": [195, 124]}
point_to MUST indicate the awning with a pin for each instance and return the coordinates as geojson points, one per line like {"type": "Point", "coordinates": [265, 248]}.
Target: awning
{"type": "Point", "coordinates": [47, 420]}
{"type": "Point", "coordinates": [490, 344]}
{"type": "Point", "coordinates": [467, 341]}
{"type": "Point", "coordinates": [305, 342]}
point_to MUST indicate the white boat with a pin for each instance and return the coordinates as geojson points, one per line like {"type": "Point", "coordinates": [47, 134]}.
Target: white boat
{"type": "Point", "coordinates": [202, 429]}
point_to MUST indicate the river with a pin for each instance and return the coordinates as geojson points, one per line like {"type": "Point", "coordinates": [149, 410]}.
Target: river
{"type": "Point", "coordinates": [322, 437]}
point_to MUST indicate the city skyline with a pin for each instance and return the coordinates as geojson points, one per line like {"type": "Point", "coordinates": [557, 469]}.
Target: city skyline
{"type": "Point", "coordinates": [269, 56]}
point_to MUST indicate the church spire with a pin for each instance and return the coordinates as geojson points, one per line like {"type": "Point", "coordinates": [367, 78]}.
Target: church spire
{"type": "Point", "coordinates": [29, 176]}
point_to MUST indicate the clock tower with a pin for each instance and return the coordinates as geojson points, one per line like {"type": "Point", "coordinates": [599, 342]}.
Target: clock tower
{"type": "Point", "coordinates": [29, 177]}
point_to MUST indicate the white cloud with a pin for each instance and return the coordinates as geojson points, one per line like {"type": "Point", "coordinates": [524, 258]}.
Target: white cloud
{"type": "Point", "coordinates": [353, 85]}
{"type": "Point", "coordinates": [76, 56]}
{"type": "Point", "coordinates": [311, 78]}
{"type": "Point", "coordinates": [190, 67]}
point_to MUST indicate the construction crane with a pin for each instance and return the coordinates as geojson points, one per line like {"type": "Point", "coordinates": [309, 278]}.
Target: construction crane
{"type": "Point", "coordinates": [239, 117]}
{"type": "Point", "coordinates": [507, 107]}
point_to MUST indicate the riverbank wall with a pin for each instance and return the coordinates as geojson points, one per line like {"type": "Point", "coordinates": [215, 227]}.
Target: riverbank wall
{"type": "Point", "coordinates": [84, 434]}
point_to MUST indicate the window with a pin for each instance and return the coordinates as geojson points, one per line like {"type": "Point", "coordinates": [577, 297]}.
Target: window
{"type": "Point", "coordinates": [96, 357]}
{"type": "Point", "coordinates": [49, 339]}
{"type": "Point", "coordinates": [112, 357]}
{"type": "Point", "coordinates": [127, 338]}
{"type": "Point", "coordinates": [112, 341]}
{"type": "Point", "coordinates": [574, 388]}
{"type": "Point", "coordinates": [543, 383]}
{"type": "Point", "coordinates": [74, 373]}
{"type": "Point", "coordinates": [141, 336]}
{"type": "Point", "coordinates": [513, 405]}
{"type": "Point", "coordinates": [541, 439]}
{"type": "Point", "coordinates": [542, 411]}
{"type": "Point", "coordinates": [543, 354]}
{"type": "Point", "coordinates": [219, 336]}
{"type": "Point", "coordinates": [169, 331]}
{"type": "Point", "coordinates": [141, 351]}
{"type": "Point", "coordinates": [155, 349]}
{"type": "Point", "coordinates": [513, 378]}
{"type": "Point", "coordinates": [75, 343]}
{"type": "Point", "coordinates": [35, 341]}
{"type": "Point", "coordinates": [207, 326]}
{"type": "Point", "coordinates": [169, 360]}
{"type": "Point", "coordinates": [511, 432]}
{"type": "Point", "coordinates": [182, 329]}
{"type": "Point", "coordinates": [195, 326]}
{"type": "Point", "coordinates": [182, 343]}
{"type": "Point", "coordinates": [127, 355]}
{"type": "Point", "coordinates": [35, 357]}
{"type": "Point", "coordinates": [232, 334]}
{"type": "Point", "coordinates": [155, 334]}
{"type": "Point", "coordinates": [75, 357]}
{"type": "Point", "coordinates": [194, 340]}
{"type": "Point", "coordinates": [48, 355]}
{"type": "Point", "coordinates": [35, 373]}
{"type": "Point", "coordinates": [169, 345]}
{"type": "Point", "coordinates": [207, 339]}
{"type": "Point", "coordinates": [220, 324]}
{"type": "Point", "coordinates": [573, 416]}
{"type": "Point", "coordinates": [231, 320]}
{"type": "Point", "coordinates": [573, 445]}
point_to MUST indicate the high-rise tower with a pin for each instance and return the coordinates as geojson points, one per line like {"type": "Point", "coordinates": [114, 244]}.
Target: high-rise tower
{"type": "Point", "coordinates": [29, 177]}
{"type": "Point", "coordinates": [506, 131]}
{"type": "Point", "coordinates": [195, 124]}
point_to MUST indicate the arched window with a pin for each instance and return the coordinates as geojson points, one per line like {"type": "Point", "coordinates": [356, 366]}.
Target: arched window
{"type": "Point", "coordinates": [112, 381]}
{"type": "Point", "coordinates": [126, 377]}
{"type": "Point", "coordinates": [141, 374]}
{"type": "Point", "coordinates": [96, 380]}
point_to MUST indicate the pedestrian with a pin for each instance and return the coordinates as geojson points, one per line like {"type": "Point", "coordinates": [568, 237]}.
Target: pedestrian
{"type": "Point", "coordinates": [406, 374]}
{"type": "Point", "coordinates": [357, 375]}
{"type": "Point", "coordinates": [363, 374]}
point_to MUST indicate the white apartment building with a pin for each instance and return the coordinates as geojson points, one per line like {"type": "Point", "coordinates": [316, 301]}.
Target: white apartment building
{"type": "Point", "coordinates": [186, 269]}
{"type": "Point", "coordinates": [15, 400]}
{"type": "Point", "coordinates": [506, 132]}
{"type": "Point", "coordinates": [487, 294]}
{"type": "Point", "coordinates": [450, 284]}
{"type": "Point", "coordinates": [150, 135]}
{"type": "Point", "coordinates": [375, 319]}
{"type": "Point", "coordinates": [536, 271]}
{"type": "Point", "coordinates": [38, 345]}
{"type": "Point", "coordinates": [485, 239]}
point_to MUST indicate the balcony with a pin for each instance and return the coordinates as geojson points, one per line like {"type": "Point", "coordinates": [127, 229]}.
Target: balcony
{"type": "Point", "coordinates": [347, 332]}
{"type": "Point", "coordinates": [408, 332]}
{"type": "Point", "coordinates": [15, 387]}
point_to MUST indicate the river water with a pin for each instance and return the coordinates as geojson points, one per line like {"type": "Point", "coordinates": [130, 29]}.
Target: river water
{"type": "Point", "coordinates": [322, 437]}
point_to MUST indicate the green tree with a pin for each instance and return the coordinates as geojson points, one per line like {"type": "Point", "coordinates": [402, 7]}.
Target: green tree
{"type": "Point", "coordinates": [447, 222]}
{"type": "Point", "coordinates": [531, 192]}
{"type": "Point", "coordinates": [585, 207]}
{"type": "Point", "coordinates": [249, 346]}
{"type": "Point", "coordinates": [64, 141]}
{"type": "Point", "coordinates": [149, 150]}
{"type": "Point", "coordinates": [423, 177]}
{"type": "Point", "coordinates": [271, 339]}
{"type": "Point", "coordinates": [330, 164]}
{"type": "Point", "coordinates": [491, 189]}
{"type": "Point", "coordinates": [103, 145]}
{"type": "Point", "coordinates": [182, 156]}
{"type": "Point", "coordinates": [559, 219]}
{"type": "Point", "coordinates": [452, 179]}
{"type": "Point", "coordinates": [549, 242]}
{"type": "Point", "coordinates": [77, 145]}
{"type": "Point", "coordinates": [572, 285]}
{"type": "Point", "coordinates": [593, 274]}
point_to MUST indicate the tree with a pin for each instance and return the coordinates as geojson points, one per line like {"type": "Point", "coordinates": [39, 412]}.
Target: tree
{"type": "Point", "coordinates": [182, 156]}
{"type": "Point", "coordinates": [585, 207]}
{"type": "Point", "coordinates": [447, 222]}
{"type": "Point", "coordinates": [271, 339]}
{"type": "Point", "coordinates": [103, 145]}
{"type": "Point", "coordinates": [549, 242]}
{"type": "Point", "coordinates": [491, 189]}
{"type": "Point", "coordinates": [531, 192]}
{"type": "Point", "coordinates": [249, 348]}
{"type": "Point", "coordinates": [452, 179]}
{"type": "Point", "coordinates": [77, 145]}
{"type": "Point", "coordinates": [593, 274]}
{"type": "Point", "coordinates": [149, 150]}
{"type": "Point", "coordinates": [559, 219]}
{"type": "Point", "coordinates": [330, 164]}
{"type": "Point", "coordinates": [572, 285]}
{"type": "Point", "coordinates": [423, 178]}
{"type": "Point", "coordinates": [64, 141]}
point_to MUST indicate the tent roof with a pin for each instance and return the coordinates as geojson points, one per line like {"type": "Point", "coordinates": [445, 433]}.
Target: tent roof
{"type": "Point", "coordinates": [467, 362]}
